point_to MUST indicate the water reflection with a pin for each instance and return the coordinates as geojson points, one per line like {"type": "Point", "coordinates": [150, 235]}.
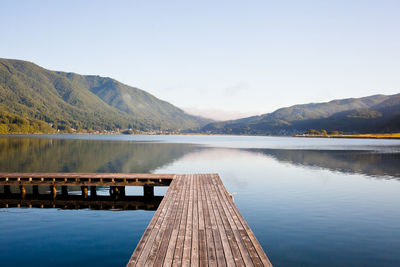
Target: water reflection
{"type": "Point", "coordinates": [98, 202]}
{"type": "Point", "coordinates": [66, 155]}
{"type": "Point", "coordinates": [27, 154]}
{"type": "Point", "coordinates": [376, 164]}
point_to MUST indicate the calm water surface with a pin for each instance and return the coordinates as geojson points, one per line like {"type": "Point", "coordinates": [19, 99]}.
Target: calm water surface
{"type": "Point", "coordinates": [310, 202]}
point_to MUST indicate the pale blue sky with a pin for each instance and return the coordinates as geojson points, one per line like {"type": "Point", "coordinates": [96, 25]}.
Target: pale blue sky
{"type": "Point", "coordinates": [231, 57]}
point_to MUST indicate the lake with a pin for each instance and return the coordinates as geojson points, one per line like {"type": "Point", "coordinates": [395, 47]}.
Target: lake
{"type": "Point", "coordinates": [309, 201]}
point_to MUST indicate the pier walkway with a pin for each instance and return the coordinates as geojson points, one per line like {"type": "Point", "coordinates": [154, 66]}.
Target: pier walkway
{"type": "Point", "coordinates": [196, 223]}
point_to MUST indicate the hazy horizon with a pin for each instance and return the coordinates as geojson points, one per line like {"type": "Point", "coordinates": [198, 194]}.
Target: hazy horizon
{"type": "Point", "coordinates": [224, 60]}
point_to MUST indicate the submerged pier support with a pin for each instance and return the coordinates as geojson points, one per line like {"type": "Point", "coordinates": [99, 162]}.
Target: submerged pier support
{"type": "Point", "coordinates": [93, 192]}
{"type": "Point", "coordinates": [53, 191]}
{"type": "Point", "coordinates": [64, 191]}
{"type": "Point", "coordinates": [85, 191]}
{"type": "Point", "coordinates": [35, 190]}
{"type": "Point", "coordinates": [7, 190]}
{"type": "Point", "coordinates": [23, 191]}
{"type": "Point", "coordinates": [148, 191]}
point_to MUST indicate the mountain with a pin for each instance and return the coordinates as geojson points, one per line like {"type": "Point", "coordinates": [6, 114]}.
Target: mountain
{"type": "Point", "coordinates": [377, 113]}
{"type": "Point", "coordinates": [69, 100]}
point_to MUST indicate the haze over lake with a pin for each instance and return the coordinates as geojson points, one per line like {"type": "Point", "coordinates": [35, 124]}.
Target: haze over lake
{"type": "Point", "coordinates": [310, 202]}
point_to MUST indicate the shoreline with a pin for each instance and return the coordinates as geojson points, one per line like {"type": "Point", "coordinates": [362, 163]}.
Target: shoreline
{"type": "Point", "coordinates": [392, 136]}
{"type": "Point", "coordinates": [353, 136]}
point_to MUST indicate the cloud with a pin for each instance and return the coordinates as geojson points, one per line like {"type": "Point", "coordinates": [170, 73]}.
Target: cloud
{"type": "Point", "coordinates": [236, 89]}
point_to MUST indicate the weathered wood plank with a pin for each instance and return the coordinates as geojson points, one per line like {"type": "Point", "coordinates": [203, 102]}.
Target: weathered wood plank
{"type": "Point", "coordinates": [163, 234]}
{"type": "Point", "coordinates": [178, 253]}
{"type": "Point", "coordinates": [202, 230]}
{"type": "Point", "coordinates": [168, 236]}
{"type": "Point", "coordinates": [194, 261]}
{"type": "Point", "coordinates": [233, 242]}
{"type": "Point", "coordinates": [226, 246]}
{"type": "Point", "coordinates": [187, 246]}
{"type": "Point", "coordinates": [211, 252]}
{"type": "Point", "coordinates": [174, 235]}
{"type": "Point", "coordinates": [214, 226]}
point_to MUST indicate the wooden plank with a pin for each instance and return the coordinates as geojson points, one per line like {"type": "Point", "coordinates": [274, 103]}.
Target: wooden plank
{"type": "Point", "coordinates": [174, 235]}
{"type": "Point", "coordinates": [226, 246]}
{"type": "Point", "coordinates": [233, 242]}
{"type": "Point", "coordinates": [219, 249]}
{"type": "Point", "coordinates": [211, 252]}
{"type": "Point", "coordinates": [194, 261]}
{"type": "Point", "coordinates": [163, 234]}
{"type": "Point", "coordinates": [202, 230]}
{"type": "Point", "coordinates": [169, 236]}
{"type": "Point", "coordinates": [178, 253]}
{"type": "Point", "coordinates": [187, 246]}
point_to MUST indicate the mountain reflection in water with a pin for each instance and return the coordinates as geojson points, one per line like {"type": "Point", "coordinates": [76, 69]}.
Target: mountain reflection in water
{"type": "Point", "coordinates": [22, 154]}
{"type": "Point", "coordinates": [369, 163]}
{"type": "Point", "coordinates": [68, 155]}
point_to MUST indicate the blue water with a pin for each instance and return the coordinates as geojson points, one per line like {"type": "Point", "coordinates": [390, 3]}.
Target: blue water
{"type": "Point", "coordinates": [310, 202]}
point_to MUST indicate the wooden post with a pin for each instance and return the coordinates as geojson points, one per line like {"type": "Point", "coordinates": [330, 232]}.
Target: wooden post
{"type": "Point", "coordinates": [35, 190]}
{"type": "Point", "coordinates": [93, 192]}
{"type": "Point", "coordinates": [53, 191]}
{"type": "Point", "coordinates": [7, 190]}
{"type": "Point", "coordinates": [121, 190]}
{"type": "Point", "coordinates": [148, 191]}
{"type": "Point", "coordinates": [114, 191]}
{"type": "Point", "coordinates": [64, 191]}
{"type": "Point", "coordinates": [84, 191]}
{"type": "Point", "coordinates": [22, 190]}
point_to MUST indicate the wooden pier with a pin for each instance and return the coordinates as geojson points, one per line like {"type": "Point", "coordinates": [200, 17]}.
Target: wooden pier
{"type": "Point", "coordinates": [196, 223]}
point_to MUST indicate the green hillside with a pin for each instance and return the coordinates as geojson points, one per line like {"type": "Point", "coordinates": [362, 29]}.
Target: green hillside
{"type": "Point", "coordinates": [378, 113]}
{"type": "Point", "coordinates": [69, 100]}
{"type": "Point", "coordinates": [10, 123]}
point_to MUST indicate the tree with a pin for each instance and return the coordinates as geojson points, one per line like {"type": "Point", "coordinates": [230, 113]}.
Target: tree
{"type": "Point", "coordinates": [3, 129]}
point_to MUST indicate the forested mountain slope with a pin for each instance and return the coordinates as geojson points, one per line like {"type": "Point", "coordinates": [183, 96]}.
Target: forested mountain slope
{"type": "Point", "coordinates": [69, 100]}
{"type": "Point", "coordinates": [377, 113]}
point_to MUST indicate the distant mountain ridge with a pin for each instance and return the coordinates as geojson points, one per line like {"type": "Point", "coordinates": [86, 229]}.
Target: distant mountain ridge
{"type": "Point", "coordinates": [377, 113]}
{"type": "Point", "coordinates": [69, 100]}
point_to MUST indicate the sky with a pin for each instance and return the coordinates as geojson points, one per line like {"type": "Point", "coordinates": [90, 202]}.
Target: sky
{"type": "Point", "coordinates": [220, 59]}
